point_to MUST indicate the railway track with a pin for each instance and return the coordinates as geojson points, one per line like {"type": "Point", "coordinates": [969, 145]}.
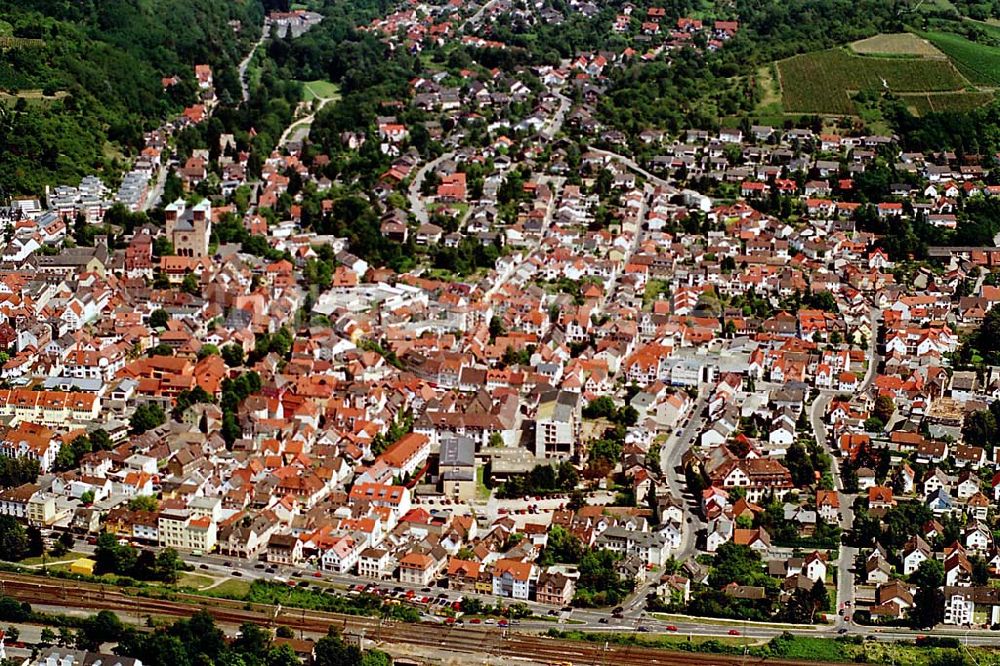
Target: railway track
{"type": "Point", "coordinates": [464, 640]}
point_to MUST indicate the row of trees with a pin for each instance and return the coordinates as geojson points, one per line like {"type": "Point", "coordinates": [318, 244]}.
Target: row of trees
{"type": "Point", "coordinates": [541, 480]}
{"type": "Point", "coordinates": [112, 557]}
{"type": "Point", "coordinates": [199, 642]}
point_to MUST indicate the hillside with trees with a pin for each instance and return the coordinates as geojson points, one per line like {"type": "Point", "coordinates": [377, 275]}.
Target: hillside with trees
{"type": "Point", "coordinates": [78, 99]}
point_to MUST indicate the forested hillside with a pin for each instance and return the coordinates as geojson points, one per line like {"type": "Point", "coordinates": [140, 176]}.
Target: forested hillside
{"type": "Point", "coordinates": [80, 99]}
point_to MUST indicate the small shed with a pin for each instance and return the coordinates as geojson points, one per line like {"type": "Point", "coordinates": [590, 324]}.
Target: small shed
{"type": "Point", "coordinates": [84, 566]}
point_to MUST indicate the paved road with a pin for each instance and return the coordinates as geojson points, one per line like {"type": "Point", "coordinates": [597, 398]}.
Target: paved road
{"type": "Point", "coordinates": [631, 164]}
{"type": "Point", "coordinates": [156, 192]}
{"type": "Point", "coordinates": [245, 63]}
{"type": "Point", "coordinates": [555, 184]}
{"type": "Point", "coordinates": [477, 19]}
{"type": "Point", "coordinates": [633, 246]}
{"type": "Point", "coordinates": [556, 122]}
{"type": "Point", "coordinates": [817, 411]}
{"type": "Point", "coordinates": [673, 451]}
{"type": "Point", "coordinates": [417, 204]}
{"type": "Point", "coordinates": [305, 122]}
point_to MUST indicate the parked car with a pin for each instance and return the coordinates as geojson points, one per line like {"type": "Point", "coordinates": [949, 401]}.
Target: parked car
{"type": "Point", "coordinates": [734, 632]}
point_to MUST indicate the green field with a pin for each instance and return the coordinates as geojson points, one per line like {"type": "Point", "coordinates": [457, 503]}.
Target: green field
{"type": "Point", "coordinates": [319, 90]}
{"type": "Point", "coordinates": [823, 81]}
{"type": "Point", "coordinates": [895, 44]}
{"type": "Point", "coordinates": [978, 62]}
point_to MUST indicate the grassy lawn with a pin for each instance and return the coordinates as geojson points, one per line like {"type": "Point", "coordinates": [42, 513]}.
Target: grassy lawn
{"type": "Point", "coordinates": [456, 210]}
{"type": "Point", "coordinates": [196, 581]}
{"type": "Point", "coordinates": [872, 652]}
{"type": "Point", "coordinates": [482, 492]}
{"type": "Point", "coordinates": [49, 559]}
{"type": "Point", "coordinates": [770, 101]}
{"type": "Point", "coordinates": [31, 97]}
{"type": "Point", "coordinates": [232, 588]}
{"type": "Point", "coordinates": [319, 90]}
{"type": "Point", "coordinates": [659, 641]}
{"type": "Point", "coordinates": [668, 617]}
{"type": "Point", "coordinates": [814, 649]}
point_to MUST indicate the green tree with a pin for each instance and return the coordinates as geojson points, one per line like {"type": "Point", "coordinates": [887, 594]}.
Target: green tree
{"type": "Point", "coordinates": [282, 655]}
{"type": "Point", "coordinates": [375, 658]}
{"type": "Point", "coordinates": [112, 557]}
{"type": "Point", "coordinates": [207, 350]}
{"type": "Point", "coordinates": [561, 547]}
{"type": "Point", "coordinates": [95, 630]}
{"type": "Point", "coordinates": [496, 328]}
{"type": "Point", "coordinates": [146, 417]}
{"type": "Point", "coordinates": [734, 564]}
{"type": "Point", "coordinates": [928, 603]}
{"type": "Point", "coordinates": [143, 503]}
{"type": "Point", "coordinates": [36, 545]}
{"type": "Point", "coordinates": [253, 639]}
{"type": "Point", "coordinates": [13, 539]}
{"type": "Point", "coordinates": [17, 471]}
{"type": "Point", "coordinates": [66, 541]}
{"type": "Point", "coordinates": [168, 564]}
{"type": "Point", "coordinates": [567, 477]}
{"type": "Point", "coordinates": [980, 428]}
{"type": "Point", "coordinates": [159, 319]}
{"type": "Point", "coordinates": [100, 440]}
{"type": "Point", "coordinates": [332, 650]}
{"type": "Point", "coordinates": [190, 285]}
{"type": "Point", "coordinates": [602, 407]}
{"type": "Point", "coordinates": [599, 583]}
{"type": "Point", "coordinates": [884, 408]}
{"type": "Point", "coordinates": [233, 355]}
{"type": "Point", "coordinates": [66, 636]}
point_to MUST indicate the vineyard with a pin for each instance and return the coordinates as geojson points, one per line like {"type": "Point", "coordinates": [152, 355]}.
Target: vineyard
{"type": "Point", "coordinates": [823, 81]}
{"type": "Point", "coordinates": [980, 63]}
{"type": "Point", "coordinates": [952, 102]}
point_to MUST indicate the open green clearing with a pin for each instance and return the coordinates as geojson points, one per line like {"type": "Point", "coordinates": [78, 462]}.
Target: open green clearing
{"type": "Point", "coordinates": [823, 81]}
{"type": "Point", "coordinates": [900, 44]}
{"type": "Point", "coordinates": [319, 90]}
{"type": "Point", "coordinates": [196, 581]}
{"type": "Point", "coordinates": [231, 589]}
{"type": "Point", "coordinates": [980, 63]}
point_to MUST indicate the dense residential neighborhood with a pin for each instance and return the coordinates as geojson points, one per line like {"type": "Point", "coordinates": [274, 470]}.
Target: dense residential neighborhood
{"type": "Point", "coordinates": [467, 346]}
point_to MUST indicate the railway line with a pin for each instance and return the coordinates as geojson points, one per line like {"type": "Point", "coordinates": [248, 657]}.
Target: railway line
{"type": "Point", "coordinates": [479, 640]}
